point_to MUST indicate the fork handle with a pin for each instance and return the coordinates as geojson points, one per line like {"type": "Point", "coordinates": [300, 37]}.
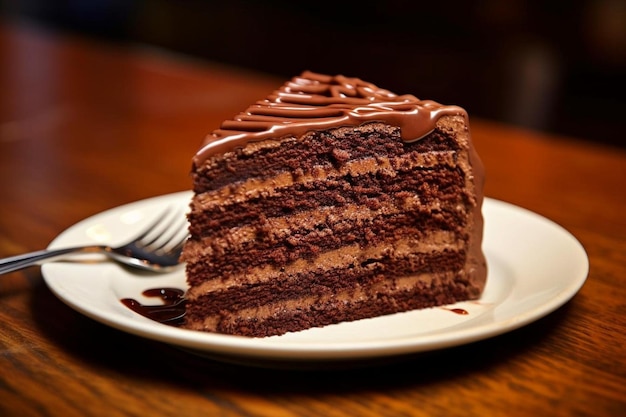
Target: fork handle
{"type": "Point", "coordinates": [15, 263]}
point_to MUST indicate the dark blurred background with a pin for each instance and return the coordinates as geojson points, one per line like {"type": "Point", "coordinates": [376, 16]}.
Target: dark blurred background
{"type": "Point", "coordinates": [554, 66]}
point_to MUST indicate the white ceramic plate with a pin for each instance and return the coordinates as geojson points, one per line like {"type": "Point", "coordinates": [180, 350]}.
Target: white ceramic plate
{"type": "Point", "coordinates": [535, 266]}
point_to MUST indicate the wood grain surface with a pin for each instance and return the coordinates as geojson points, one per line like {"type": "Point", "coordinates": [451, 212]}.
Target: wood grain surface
{"type": "Point", "coordinates": [87, 126]}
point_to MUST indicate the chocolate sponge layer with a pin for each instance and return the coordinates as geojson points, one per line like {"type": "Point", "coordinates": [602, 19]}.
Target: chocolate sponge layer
{"type": "Point", "coordinates": [330, 310]}
{"type": "Point", "coordinates": [323, 149]}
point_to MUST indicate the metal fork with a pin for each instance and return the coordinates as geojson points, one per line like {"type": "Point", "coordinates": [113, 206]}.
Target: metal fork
{"type": "Point", "coordinates": [157, 248]}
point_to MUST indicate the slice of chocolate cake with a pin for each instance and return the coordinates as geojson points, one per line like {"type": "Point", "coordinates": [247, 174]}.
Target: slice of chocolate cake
{"type": "Point", "coordinates": [332, 200]}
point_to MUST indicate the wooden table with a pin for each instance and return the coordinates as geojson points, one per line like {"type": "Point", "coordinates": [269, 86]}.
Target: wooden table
{"type": "Point", "coordinates": [86, 126]}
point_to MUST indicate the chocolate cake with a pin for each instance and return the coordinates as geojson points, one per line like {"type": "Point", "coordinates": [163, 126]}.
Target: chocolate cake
{"type": "Point", "coordinates": [332, 200]}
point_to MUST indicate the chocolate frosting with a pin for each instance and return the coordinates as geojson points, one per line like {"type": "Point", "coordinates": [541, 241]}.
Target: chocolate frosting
{"type": "Point", "coordinates": [315, 101]}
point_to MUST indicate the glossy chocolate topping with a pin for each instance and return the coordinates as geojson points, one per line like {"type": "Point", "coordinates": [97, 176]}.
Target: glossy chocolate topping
{"type": "Point", "coordinates": [314, 101]}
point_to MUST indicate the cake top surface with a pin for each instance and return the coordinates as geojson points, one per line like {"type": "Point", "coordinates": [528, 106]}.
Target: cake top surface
{"type": "Point", "coordinates": [313, 101]}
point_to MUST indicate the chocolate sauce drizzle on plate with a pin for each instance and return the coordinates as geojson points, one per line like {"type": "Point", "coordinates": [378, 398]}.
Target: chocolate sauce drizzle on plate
{"type": "Point", "coordinates": [171, 311]}
{"type": "Point", "coordinates": [459, 311]}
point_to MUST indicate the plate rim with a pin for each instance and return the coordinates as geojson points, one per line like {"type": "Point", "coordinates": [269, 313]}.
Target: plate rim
{"type": "Point", "coordinates": [275, 349]}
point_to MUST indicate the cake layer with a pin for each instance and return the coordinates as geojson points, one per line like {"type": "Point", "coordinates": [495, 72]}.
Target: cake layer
{"type": "Point", "coordinates": [282, 285]}
{"type": "Point", "coordinates": [326, 227]}
{"type": "Point", "coordinates": [334, 305]}
{"type": "Point", "coordinates": [315, 150]}
{"type": "Point", "coordinates": [347, 257]}
{"type": "Point", "coordinates": [249, 187]}
{"type": "Point", "coordinates": [367, 190]}
{"type": "Point", "coordinates": [226, 260]}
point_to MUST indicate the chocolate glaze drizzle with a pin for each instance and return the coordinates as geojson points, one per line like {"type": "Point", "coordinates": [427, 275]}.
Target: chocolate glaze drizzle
{"type": "Point", "coordinates": [314, 101]}
{"type": "Point", "coordinates": [172, 311]}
